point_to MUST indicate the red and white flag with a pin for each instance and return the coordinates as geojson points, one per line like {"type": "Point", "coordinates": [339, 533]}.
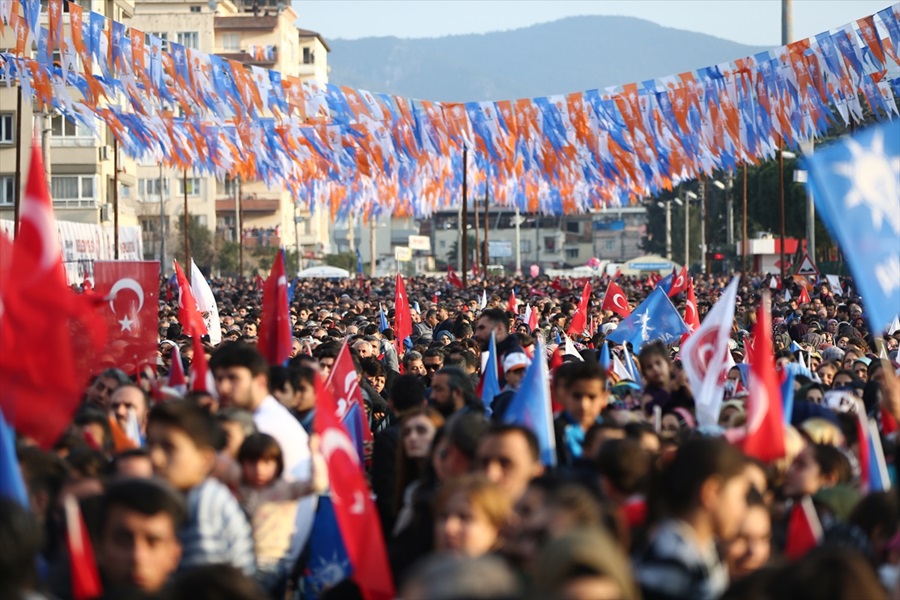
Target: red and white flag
{"type": "Point", "coordinates": [82, 563]}
{"type": "Point", "coordinates": [402, 319]}
{"type": "Point", "coordinates": [532, 319]}
{"type": "Point", "coordinates": [765, 423]}
{"type": "Point", "coordinates": [188, 314]}
{"type": "Point", "coordinates": [177, 379]}
{"type": "Point", "coordinates": [705, 354]}
{"type": "Point", "coordinates": [453, 278]}
{"type": "Point", "coordinates": [691, 314]}
{"type": "Point", "coordinates": [343, 383]}
{"type": "Point", "coordinates": [49, 336]}
{"type": "Point", "coordinates": [579, 319]}
{"type": "Point", "coordinates": [511, 304]}
{"type": "Point", "coordinates": [804, 530]}
{"type": "Point", "coordinates": [354, 509]}
{"type": "Point", "coordinates": [679, 283]}
{"type": "Point", "coordinates": [275, 322]}
{"type": "Point", "coordinates": [129, 291]}
{"type": "Point", "coordinates": [804, 296]}
{"type": "Point", "coordinates": [615, 300]}
{"type": "Point", "coordinates": [201, 378]}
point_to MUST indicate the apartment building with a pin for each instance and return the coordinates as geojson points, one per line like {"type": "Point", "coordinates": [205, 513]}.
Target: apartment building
{"type": "Point", "coordinates": [80, 164]}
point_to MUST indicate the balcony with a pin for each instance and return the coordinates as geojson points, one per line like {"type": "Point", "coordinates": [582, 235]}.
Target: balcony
{"type": "Point", "coordinates": [249, 204]}
{"type": "Point", "coordinates": [254, 237]}
{"type": "Point", "coordinates": [261, 56]}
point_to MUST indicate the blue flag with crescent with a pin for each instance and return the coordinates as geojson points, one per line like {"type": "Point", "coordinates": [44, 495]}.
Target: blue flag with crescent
{"type": "Point", "coordinates": [656, 318]}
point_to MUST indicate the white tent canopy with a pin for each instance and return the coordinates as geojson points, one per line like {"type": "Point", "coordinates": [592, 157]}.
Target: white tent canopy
{"type": "Point", "coordinates": [324, 273]}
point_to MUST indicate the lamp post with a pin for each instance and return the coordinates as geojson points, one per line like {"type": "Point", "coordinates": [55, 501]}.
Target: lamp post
{"type": "Point", "coordinates": [782, 154]}
{"type": "Point", "coordinates": [688, 196]}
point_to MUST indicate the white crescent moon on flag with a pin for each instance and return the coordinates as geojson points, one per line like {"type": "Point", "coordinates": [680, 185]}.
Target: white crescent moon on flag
{"type": "Point", "coordinates": [616, 298]}
{"type": "Point", "coordinates": [334, 440]}
{"type": "Point", "coordinates": [126, 284]}
{"type": "Point", "coordinates": [35, 213]}
{"type": "Point", "coordinates": [688, 309]}
{"type": "Point", "coordinates": [679, 282]}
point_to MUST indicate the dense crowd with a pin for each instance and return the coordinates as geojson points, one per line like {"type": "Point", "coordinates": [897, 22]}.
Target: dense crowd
{"type": "Point", "coordinates": [216, 495]}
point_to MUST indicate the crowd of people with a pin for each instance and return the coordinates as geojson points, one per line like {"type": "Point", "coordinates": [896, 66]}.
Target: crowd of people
{"type": "Point", "coordinates": [216, 494]}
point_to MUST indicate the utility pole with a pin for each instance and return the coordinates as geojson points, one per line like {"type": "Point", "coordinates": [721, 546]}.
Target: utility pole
{"type": "Point", "coordinates": [17, 198]}
{"type": "Point", "coordinates": [808, 147]}
{"type": "Point", "coordinates": [781, 206]}
{"type": "Point", "coordinates": [668, 231]}
{"type": "Point", "coordinates": [477, 227]}
{"type": "Point", "coordinates": [744, 245]}
{"type": "Point", "coordinates": [518, 249]}
{"type": "Point", "coordinates": [687, 232]}
{"type": "Point", "coordinates": [116, 197]}
{"type": "Point", "coordinates": [704, 212]}
{"type": "Point", "coordinates": [162, 220]}
{"type": "Point", "coordinates": [239, 220]}
{"type": "Point", "coordinates": [486, 255]}
{"type": "Point", "coordinates": [372, 246]}
{"type": "Point", "coordinates": [187, 219]}
{"type": "Point", "coordinates": [464, 226]}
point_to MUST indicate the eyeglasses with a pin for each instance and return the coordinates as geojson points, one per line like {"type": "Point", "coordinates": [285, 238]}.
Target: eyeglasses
{"type": "Point", "coordinates": [433, 367]}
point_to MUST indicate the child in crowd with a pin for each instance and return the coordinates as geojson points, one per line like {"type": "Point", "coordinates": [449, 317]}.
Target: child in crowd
{"type": "Point", "coordinates": [182, 438]}
{"type": "Point", "coordinates": [271, 503]}
{"type": "Point", "coordinates": [584, 398]}
{"type": "Point", "coordinates": [661, 387]}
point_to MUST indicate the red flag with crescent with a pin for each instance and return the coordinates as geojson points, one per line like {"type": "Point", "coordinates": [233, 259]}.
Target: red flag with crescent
{"type": "Point", "coordinates": [354, 509]}
{"type": "Point", "coordinates": [579, 319]}
{"type": "Point", "coordinates": [128, 294]}
{"type": "Point", "coordinates": [615, 300]}
{"type": "Point", "coordinates": [691, 316]}
{"type": "Point", "coordinates": [680, 283]}
{"type": "Point", "coordinates": [49, 335]}
{"type": "Point", "coordinates": [189, 314]}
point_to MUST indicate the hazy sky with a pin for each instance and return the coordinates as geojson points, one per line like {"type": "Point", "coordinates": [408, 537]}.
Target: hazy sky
{"type": "Point", "coordinates": [756, 22]}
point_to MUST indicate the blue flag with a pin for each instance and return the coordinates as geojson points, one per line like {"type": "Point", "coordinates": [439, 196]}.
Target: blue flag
{"type": "Point", "coordinates": [605, 358]}
{"type": "Point", "coordinates": [666, 282]}
{"type": "Point", "coordinates": [383, 322]}
{"type": "Point", "coordinates": [353, 421]}
{"type": "Point", "coordinates": [530, 407]}
{"type": "Point", "coordinates": [11, 484]}
{"type": "Point", "coordinates": [490, 382]}
{"type": "Point", "coordinates": [656, 318]}
{"type": "Point", "coordinates": [856, 186]}
{"type": "Point", "coordinates": [327, 563]}
{"type": "Point", "coordinates": [359, 266]}
{"type": "Point", "coordinates": [632, 367]}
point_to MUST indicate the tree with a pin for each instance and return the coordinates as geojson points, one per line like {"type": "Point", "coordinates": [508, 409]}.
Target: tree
{"type": "Point", "coordinates": [344, 260]}
{"type": "Point", "coordinates": [200, 240]}
{"type": "Point", "coordinates": [453, 252]}
{"type": "Point", "coordinates": [227, 257]}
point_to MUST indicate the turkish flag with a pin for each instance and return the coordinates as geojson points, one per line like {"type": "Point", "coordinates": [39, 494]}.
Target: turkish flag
{"type": "Point", "coordinates": [129, 292]}
{"type": "Point", "coordinates": [356, 515]}
{"type": "Point", "coordinates": [804, 530]}
{"type": "Point", "coordinates": [691, 315]}
{"type": "Point", "coordinates": [275, 323]}
{"type": "Point", "coordinates": [804, 297]}
{"type": "Point", "coordinates": [201, 378]}
{"type": "Point", "coordinates": [511, 305]}
{"type": "Point", "coordinates": [402, 319]}
{"type": "Point", "coordinates": [82, 564]}
{"type": "Point", "coordinates": [49, 336]}
{"type": "Point", "coordinates": [189, 314]}
{"type": "Point", "coordinates": [533, 320]}
{"type": "Point", "coordinates": [453, 278]}
{"type": "Point", "coordinates": [680, 283]}
{"type": "Point", "coordinates": [579, 319]}
{"type": "Point", "coordinates": [343, 383]}
{"type": "Point", "coordinates": [614, 300]}
{"type": "Point", "coordinates": [765, 424]}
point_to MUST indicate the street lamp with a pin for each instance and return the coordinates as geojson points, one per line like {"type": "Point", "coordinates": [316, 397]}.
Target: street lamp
{"type": "Point", "coordinates": [688, 196]}
{"type": "Point", "coordinates": [782, 154]}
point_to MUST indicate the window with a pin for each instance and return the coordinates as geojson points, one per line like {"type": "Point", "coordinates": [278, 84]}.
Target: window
{"type": "Point", "coordinates": [72, 190]}
{"type": "Point", "coordinates": [231, 41]}
{"type": "Point", "coordinates": [163, 36]}
{"type": "Point", "coordinates": [610, 245]}
{"type": "Point", "coordinates": [7, 128]}
{"type": "Point", "coordinates": [150, 187]}
{"type": "Point", "coordinates": [64, 127]}
{"type": "Point", "coordinates": [571, 252]}
{"type": "Point", "coordinates": [189, 39]}
{"type": "Point", "coordinates": [200, 220]}
{"type": "Point", "coordinates": [550, 244]}
{"type": "Point", "coordinates": [572, 226]}
{"type": "Point", "coordinates": [309, 57]}
{"type": "Point", "coordinates": [7, 189]}
{"type": "Point", "coordinates": [195, 9]}
{"type": "Point", "coordinates": [524, 246]}
{"type": "Point", "coordinates": [124, 191]}
{"type": "Point", "coordinates": [193, 186]}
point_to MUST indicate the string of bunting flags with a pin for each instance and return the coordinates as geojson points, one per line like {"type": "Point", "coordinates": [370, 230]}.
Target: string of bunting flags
{"type": "Point", "coordinates": [355, 152]}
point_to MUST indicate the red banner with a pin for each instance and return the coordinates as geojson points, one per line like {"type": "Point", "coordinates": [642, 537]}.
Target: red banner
{"type": "Point", "coordinates": [131, 310]}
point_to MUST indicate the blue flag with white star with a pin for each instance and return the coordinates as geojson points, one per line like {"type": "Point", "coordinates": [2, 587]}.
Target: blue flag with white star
{"type": "Point", "coordinates": [856, 186]}
{"type": "Point", "coordinates": [656, 318]}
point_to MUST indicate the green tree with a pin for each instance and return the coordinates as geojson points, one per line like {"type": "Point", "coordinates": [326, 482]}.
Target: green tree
{"type": "Point", "coordinates": [200, 240]}
{"type": "Point", "coordinates": [227, 258]}
{"type": "Point", "coordinates": [453, 251]}
{"type": "Point", "coordinates": [344, 260]}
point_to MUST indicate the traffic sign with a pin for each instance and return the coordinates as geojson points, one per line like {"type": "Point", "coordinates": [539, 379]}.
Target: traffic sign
{"type": "Point", "coordinates": [807, 267]}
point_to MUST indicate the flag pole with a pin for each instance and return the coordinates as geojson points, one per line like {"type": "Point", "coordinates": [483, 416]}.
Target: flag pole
{"type": "Point", "coordinates": [17, 200]}
{"type": "Point", "coordinates": [187, 242]}
{"type": "Point", "coordinates": [477, 227]}
{"type": "Point", "coordinates": [464, 249]}
{"type": "Point", "coordinates": [744, 227]}
{"type": "Point", "coordinates": [486, 255]}
{"type": "Point", "coordinates": [116, 197]}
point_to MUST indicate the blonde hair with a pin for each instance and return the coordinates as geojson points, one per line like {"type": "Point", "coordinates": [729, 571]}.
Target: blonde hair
{"type": "Point", "coordinates": [794, 443]}
{"type": "Point", "coordinates": [823, 431]}
{"type": "Point", "coordinates": [481, 493]}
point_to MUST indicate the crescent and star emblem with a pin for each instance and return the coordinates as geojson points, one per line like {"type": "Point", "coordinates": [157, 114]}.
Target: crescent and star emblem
{"type": "Point", "coordinates": [126, 284]}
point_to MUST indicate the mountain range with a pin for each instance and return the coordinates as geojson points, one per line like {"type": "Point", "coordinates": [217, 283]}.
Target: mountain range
{"type": "Point", "coordinates": [568, 55]}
